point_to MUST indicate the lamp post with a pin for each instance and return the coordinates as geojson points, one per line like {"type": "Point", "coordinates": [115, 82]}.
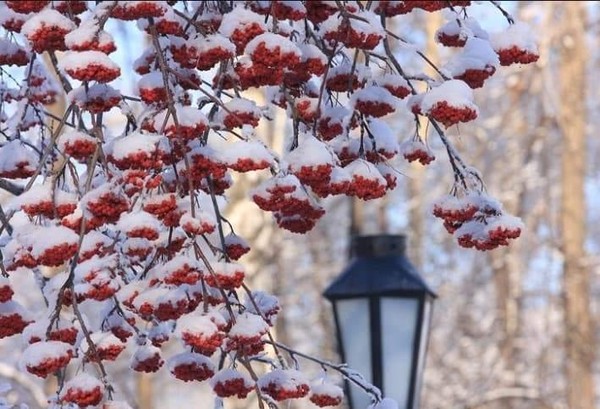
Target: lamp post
{"type": "Point", "coordinates": [382, 310]}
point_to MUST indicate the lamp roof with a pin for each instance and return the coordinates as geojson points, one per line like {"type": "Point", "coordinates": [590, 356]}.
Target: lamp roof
{"type": "Point", "coordinates": [379, 267]}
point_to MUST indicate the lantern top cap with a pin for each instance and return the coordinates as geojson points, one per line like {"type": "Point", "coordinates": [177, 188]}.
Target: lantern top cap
{"type": "Point", "coordinates": [379, 267]}
{"type": "Point", "coordinates": [378, 245]}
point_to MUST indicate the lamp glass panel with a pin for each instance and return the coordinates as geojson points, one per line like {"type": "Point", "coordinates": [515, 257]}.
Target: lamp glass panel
{"type": "Point", "coordinates": [398, 325]}
{"type": "Point", "coordinates": [427, 307]}
{"type": "Point", "coordinates": [353, 319]}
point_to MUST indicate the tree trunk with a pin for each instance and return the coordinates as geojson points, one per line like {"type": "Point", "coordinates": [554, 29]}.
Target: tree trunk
{"type": "Point", "coordinates": [145, 396]}
{"type": "Point", "coordinates": [579, 342]}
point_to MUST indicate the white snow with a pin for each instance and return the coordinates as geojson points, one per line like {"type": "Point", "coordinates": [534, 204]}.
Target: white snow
{"type": "Point", "coordinates": [518, 34]}
{"type": "Point", "coordinates": [96, 91]}
{"type": "Point", "coordinates": [361, 71]}
{"type": "Point", "coordinates": [477, 54]}
{"type": "Point", "coordinates": [311, 51]}
{"type": "Point", "coordinates": [187, 116]}
{"type": "Point", "coordinates": [326, 388]}
{"type": "Point", "coordinates": [35, 354]}
{"type": "Point", "coordinates": [392, 80]}
{"type": "Point", "coordinates": [248, 325]}
{"type": "Point", "coordinates": [252, 149]}
{"type": "Point", "coordinates": [83, 382]}
{"type": "Point", "coordinates": [375, 94]}
{"type": "Point", "coordinates": [203, 44]}
{"type": "Point", "coordinates": [135, 143]}
{"type": "Point", "coordinates": [144, 353]}
{"type": "Point", "coordinates": [463, 28]}
{"type": "Point", "coordinates": [190, 358]}
{"type": "Point", "coordinates": [284, 378]}
{"type": "Point", "coordinates": [386, 140]}
{"type": "Point", "coordinates": [95, 268]}
{"type": "Point", "coordinates": [78, 60]}
{"type": "Point", "coordinates": [505, 221]}
{"type": "Point", "coordinates": [362, 168]}
{"type": "Point", "coordinates": [71, 137]}
{"type": "Point", "coordinates": [130, 221]}
{"type": "Point", "coordinates": [272, 42]}
{"type": "Point", "coordinates": [239, 18]}
{"type": "Point", "coordinates": [455, 92]}
{"type": "Point", "coordinates": [195, 324]}
{"type": "Point", "coordinates": [227, 374]}
{"type": "Point", "coordinates": [15, 153]}
{"type": "Point", "coordinates": [42, 193]}
{"type": "Point", "coordinates": [227, 269]}
{"type": "Point", "coordinates": [265, 302]}
{"type": "Point", "coordinates": [101, 340]}
{"type": "Point", "coordinates": [46, 18]}
{"type": "Point", "coordinates": [310, 152]}
{"type": "Point", "coordinates": [43, 238]}
{"type": "Point", "coordinates": [151, 80]}
{"type": "Point", "coordinates": [8, 47]}
{"type": "Point", "coordinates": [87, 32]}
{"type": "Point", "coordinates": [178, 262]}
{"type": "Point", "coordinates": [372, 25]}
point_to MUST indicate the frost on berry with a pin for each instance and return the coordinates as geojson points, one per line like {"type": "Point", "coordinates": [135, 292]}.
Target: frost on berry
{"type": "Point", "coordinates": [366, 181]}
{"type": "Point", "coordinates": [146, 358]}
{"type": "Point", "coordinates": [46, 31]}
{"type": "Point", "coordinates": [191, 367]}
{"type": "Point", "coordinates": [199, 332]}
{"type": "Point", "coordinates": [6, 291]}
{"type": "Point", "coordinates": [90, 37]}
{"type": "Point", "coordinates": [345, 77]}
{"type": "Point", "coordinates": [516, 45]}
{"type": "Point", "coordinates": [83, 390]}
{"type": "Point", "coordinates": [414, 149]}
{"type": "Point", "coordinates": [79, 145]}
{"type": "Point", "coordinates": [105, 347]}
{"type": "Point", "coordinates": [238, 112]}
{"type": "Point", "coordinates": [264, 305]}
{"type": "Point", "coordinates": [138, 151]}
{"type": "Point", "coordinates": [44, 358]}
{"type": "Point", "coordinates": [294, 209]}
{"type": "Point", "coordinates": [362, 30]}
{"type": "Point", "coordinates": [246, 156]}
{"type": "Point", "coordinates": [96, 98]}
{"type": "Point", "coordinates": [324, 394]}
{"type": "Point", "coordinates": [241, 26]}
{"type": "Point", "coordinates": [59, 330]}
{"type": "Point", "coordinates": [133, 10]}
{"type": "Point", "coordinates": [235, 246]}
{"type": "Point", "coordinates": [25, 6]}
{"type": "Point", "coordinates": [477, 220]}
{"type": "Point", "coordinates": [283, 384]}
{"type": "Point", "coordinates": [245, 336]}
{"type": "Point", "coordinates": [311, 162]}
{"type": "Point", "coordinates": [230, 382]}
{"type": "Point", "coordinates": [40, 200]}
{"type": "Point", "coordinates": [475, 64]}
{"type": "Point", "coordinates": [226, 275]}
{"type": "Point", "coordinates": [16, 160]}
{"type": "Point", "coordinates": [13, 54]}
{"type": "Point", "coordinates": [456, 32]}
{"type": "Point", "coordinates": [450, 103]}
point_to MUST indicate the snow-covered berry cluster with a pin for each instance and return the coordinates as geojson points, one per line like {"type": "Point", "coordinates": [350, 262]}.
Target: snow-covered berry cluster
{"type": "Point", "coordinates": [477, 220]}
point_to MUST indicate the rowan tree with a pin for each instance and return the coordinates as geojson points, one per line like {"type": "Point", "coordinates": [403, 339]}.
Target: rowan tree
{"type": "Point", "coordinates": [130, 218]}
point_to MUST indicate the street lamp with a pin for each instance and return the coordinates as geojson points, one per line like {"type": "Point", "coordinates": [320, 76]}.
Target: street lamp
{"type": "Point", "coordinates": [382, 310]}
